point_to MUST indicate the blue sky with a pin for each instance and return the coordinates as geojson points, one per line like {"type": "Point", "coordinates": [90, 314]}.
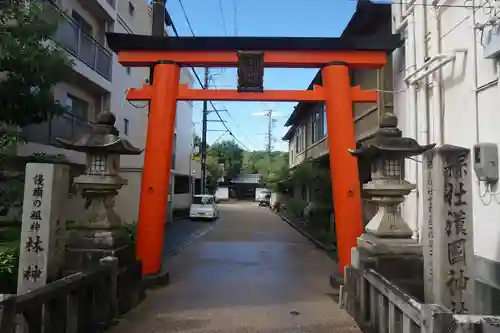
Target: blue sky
{"type": "Point", "coordinates": [299, 18]}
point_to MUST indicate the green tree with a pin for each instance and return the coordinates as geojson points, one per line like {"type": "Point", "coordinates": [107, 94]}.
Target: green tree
{"type": "Point", "coordinates": [30, 63]}
{"type": "Point", "coordinates": [214, 173]}
{"type": "Point", "coordinates": [273, 168]}
{"type": "Point", "coordinates": [230, 155]}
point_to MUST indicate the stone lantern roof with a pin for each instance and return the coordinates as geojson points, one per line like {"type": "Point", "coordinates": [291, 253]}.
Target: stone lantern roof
{"type": "Point", "coordinates": [103, 138]}
{"type": "Point", "coordinates": [389, 140]}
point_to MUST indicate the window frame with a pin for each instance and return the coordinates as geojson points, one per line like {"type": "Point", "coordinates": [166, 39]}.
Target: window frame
{"type": "Point", "coordinates": [82, 23]}
{"type": "Point", "coordinates": [131, 8]}
{"type": "Point", "coordinates": [300, 144]}
{"type": "Point", "coordinates": [126, 126]}
{"type": "Point", "coordinates": [84, 103]}
{"type": "Point", "coordinates": [317, 121]}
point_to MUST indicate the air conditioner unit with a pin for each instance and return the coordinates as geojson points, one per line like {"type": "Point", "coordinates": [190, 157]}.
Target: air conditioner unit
{"type": "Point", "coordinates": [491, 42]}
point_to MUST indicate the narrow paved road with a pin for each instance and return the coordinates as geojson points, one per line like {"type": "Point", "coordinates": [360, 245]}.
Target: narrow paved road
{"type": "Point", "coordinates": [251, 273]}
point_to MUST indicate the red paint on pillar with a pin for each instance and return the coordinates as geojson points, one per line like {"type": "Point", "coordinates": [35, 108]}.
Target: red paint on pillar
{"type": "Point", "coordinates": [157, 162]}
{"type": "Point", "coordinates": [343, 166]}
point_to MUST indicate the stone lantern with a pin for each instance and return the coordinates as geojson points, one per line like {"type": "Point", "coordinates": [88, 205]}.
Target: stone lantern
{"type": "Point", "coordinates": [387, 151]}
{"type": "Point", "coordinates": [98, 233]}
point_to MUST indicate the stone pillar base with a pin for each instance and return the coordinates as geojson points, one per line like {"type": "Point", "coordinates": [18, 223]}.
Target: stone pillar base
{"type": "Point", "coordinates": [160, 279]}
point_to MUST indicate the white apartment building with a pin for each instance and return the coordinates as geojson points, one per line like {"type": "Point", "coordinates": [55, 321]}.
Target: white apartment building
{"type": "Point", "coordinates": [452, 67]}
{"type": "Point", "coordinates": [98, 82]}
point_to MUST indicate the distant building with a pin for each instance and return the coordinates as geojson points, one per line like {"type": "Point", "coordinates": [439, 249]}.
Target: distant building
{"type": "Point", "coordinates": [307, 134]}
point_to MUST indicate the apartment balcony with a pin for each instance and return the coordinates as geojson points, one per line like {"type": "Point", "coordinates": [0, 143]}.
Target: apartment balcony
{"type": "Point", "coordinates": [101, 9]}
{"type": "Point", "coordinates": [92, 61]}
{"type": "Point", "coordinates": [64, 126]}
{"type": "Point", "coordinates": [312, 152]}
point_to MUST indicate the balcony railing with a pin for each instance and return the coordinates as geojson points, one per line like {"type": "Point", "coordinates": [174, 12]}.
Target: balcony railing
{"type": "Point", "coordinates": [64, 126]}
{"type": "Point", "coordinates": [83, 46]}
{"type": "Point", "coordinates": [112, 3]}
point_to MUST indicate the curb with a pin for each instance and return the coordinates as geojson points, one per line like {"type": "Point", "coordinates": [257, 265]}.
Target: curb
{"type": "Point", "coordinates": [305, 234]}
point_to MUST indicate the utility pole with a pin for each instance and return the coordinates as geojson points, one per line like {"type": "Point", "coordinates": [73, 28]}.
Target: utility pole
{"type": "Point", "coordinates": [204, 139]}
{"type": "Point", "coordinates": [158, 21]}
{"type": "Point", "coordinates": [269, 135]}
{"type": "Point", "coordinates": [157, 24]}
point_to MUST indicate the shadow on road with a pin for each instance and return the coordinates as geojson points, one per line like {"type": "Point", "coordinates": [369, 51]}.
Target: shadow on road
{"type": "Point", "coordinates": [181, 233]}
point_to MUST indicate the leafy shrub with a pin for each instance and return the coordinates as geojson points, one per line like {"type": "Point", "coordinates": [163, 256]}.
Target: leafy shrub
{"type": "Point", "coordinates": [296, 207]}
{"type": "Point", "coordinates": [131, 229]}
{"type": "Point", "coordinates": [319, 218]}
{"type": "Point", "coordinates": [8, 261]}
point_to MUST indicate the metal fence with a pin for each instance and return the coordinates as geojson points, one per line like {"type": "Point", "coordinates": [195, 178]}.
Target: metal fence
{"type": "Point", "coordinates": [83, 46]}
{"type": "Point", "coordinates": [64, 126]}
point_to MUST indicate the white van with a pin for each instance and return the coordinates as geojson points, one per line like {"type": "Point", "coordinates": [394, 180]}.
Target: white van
{"type": "Point", "coordinates": [204, 207]}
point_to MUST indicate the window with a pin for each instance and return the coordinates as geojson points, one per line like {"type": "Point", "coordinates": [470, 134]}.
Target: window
{"type": "Point", "coordinates": [181, 184]}
{"type": "Point", "coordinates": [128, 70]}
{"type": "Point", "coordinates": [203, 200]}
{"type": "Point", "coordinates": [317, 123]}
{"type": "Point", "coordinates": [300, 139]}
{"type": "Point", "coordinates": [78, 107]}
{"type": "Point", "coordinates": [131, 8]}
{"type": "Point", "coordinates": [125, 126]}
{"type": "Point", "coordinates": [82, 23]}
{"type": "Point", "coordinates": [174, 149]}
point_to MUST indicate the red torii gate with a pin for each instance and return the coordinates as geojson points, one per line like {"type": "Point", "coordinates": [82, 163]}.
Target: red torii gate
{"type": "Point", "coordinates": [250, 54]}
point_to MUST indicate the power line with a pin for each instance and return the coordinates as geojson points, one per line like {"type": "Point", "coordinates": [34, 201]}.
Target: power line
{"type": "Point", "coordinates": [235, 17]}
{"type": "Point", "coordinates": [222, 17]}
{"type": "Point", "coordinates": [187, 20]}
{"type": "Point", "coordinates": [427, 4]}
{"type": "Point", "coordinates": [230, 116]}
{"type": "Point", "coordinates": [198, 77]}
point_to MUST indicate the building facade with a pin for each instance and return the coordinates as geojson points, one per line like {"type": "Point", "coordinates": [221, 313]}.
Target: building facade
{"type": "Point", "coordinates": [96, 83]}
{"type": "Point", "coordinates": [446, 92]}
{"type": "Point", "coordinates": [307, 134]}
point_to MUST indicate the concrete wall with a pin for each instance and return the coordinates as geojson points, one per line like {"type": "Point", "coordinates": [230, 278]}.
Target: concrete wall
{"type": "Point", "coordinates": [467, 110]}
{"type": "Point", "coordinates": [184, 130]}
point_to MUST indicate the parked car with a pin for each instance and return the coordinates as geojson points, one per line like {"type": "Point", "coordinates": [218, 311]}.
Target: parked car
{"type": "Point", "coordinates": [204, 207]}
{"type": "Point", "coordinates": [265, 201]}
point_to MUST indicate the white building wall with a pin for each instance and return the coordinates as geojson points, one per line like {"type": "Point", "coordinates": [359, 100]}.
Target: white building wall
{"type": "Point", "coordinates": [468, 108]}
{"type": "Point", "coordinates": [127, 202]}
{"type": "Point", "coordinates": [184, 129]}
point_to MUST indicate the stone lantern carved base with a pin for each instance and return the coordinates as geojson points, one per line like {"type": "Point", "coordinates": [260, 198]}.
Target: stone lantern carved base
{"type": "Point", "coordinates": [388, 195]}
{"type": "Point", "coordinates": [100, 227]}
{"type": "Point", "coordinates": [99, 232]}
{"type": "Point", "coordinates": [388, 221]}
